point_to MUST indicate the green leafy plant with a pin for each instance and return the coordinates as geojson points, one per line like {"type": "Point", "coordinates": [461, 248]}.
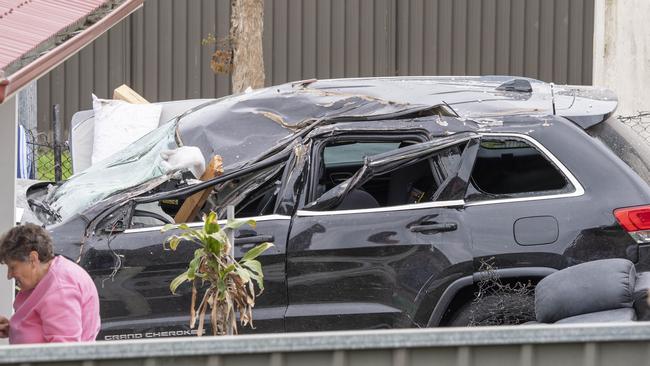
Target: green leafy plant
{"type": "Point", "coordinates": [230, 283]}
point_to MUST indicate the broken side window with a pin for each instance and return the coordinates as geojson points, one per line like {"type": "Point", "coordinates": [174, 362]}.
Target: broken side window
{"type": "Point", "coordinates": [404, 173]}
{"type": "Point", "coordinates": [254, 194]}
{"type": "Point", "coordinates": [511, 167]}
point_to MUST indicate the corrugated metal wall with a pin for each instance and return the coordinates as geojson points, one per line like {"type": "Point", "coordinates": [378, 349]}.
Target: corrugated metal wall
{"type": "Point", "coordinates": [158, 49]}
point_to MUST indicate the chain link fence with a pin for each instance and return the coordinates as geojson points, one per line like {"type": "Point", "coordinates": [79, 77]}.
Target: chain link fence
{"type": "Point", "coordinates": [640, 123]}
{"type": "Point", "coordinates": [47, 161]}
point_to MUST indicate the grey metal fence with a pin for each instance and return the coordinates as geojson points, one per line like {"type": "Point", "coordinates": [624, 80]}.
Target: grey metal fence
{"type": "Point", "coordinates": [586, 344]}
{"type": "Point", "coordinates": [158, 50]}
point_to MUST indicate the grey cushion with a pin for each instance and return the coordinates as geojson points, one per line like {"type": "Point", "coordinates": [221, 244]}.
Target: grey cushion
{"type": "Point", "coordinates": [585, 288]}
{"type": "Point", "coordinates": [642, 282]}
{"type": "Point", "coordinates": [616, 315]}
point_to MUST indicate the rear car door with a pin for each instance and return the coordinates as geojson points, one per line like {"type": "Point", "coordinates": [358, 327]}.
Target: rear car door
{"type": "Point", "coordinates": [356, 260]}
{"type": "Point", "coordinates": [524, 207]}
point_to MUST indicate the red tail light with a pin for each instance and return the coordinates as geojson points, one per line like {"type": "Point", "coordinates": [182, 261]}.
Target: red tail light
{"type": "Point", "coordinates": [636, 221]}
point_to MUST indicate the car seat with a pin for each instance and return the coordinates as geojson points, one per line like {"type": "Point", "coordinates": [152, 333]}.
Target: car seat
{"type": "Point", "coordinates": [607, 290]}
{"type": "Point", "coordinates": [357, 199]}
{"type": "Point", "coordinates": [402, 182]}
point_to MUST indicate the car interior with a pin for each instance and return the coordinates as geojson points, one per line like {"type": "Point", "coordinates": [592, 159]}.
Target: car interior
{"type": "Point", "coordinates": [503, 168]}
{"type": "Point", "coordinates": [414, 182]}
{"type": "Point", "coordinates": [512, 167]}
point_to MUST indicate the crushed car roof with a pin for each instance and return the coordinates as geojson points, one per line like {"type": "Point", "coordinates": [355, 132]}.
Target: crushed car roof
{"type": "Point", "coordinates": [250, 127]}
{"type": "Point", "coordinates": [242, 127]}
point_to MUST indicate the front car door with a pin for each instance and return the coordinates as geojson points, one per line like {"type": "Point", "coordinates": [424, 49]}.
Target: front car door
{"type": "Point", "coordinates": [133, 271]}
{"type": "Point", "coordinates": [377, 249]}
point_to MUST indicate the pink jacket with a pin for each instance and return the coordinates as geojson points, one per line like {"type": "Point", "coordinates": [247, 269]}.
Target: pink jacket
{"type": "Point", "coordinates": [63, 307]}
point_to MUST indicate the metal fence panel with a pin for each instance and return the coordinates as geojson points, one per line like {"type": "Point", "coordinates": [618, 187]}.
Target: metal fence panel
{"type": "Point", "coordinates": [584, 344]}
{"type": "Point", "coordinates": [158, 50]}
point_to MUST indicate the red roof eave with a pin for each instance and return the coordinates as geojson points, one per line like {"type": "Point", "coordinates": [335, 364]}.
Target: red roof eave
{"type": "Point", "coordinates": [59, 54]}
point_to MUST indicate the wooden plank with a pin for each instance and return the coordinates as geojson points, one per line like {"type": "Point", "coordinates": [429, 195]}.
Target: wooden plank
{"type": "Point", "coordinates": [125, 93]}
{"type": "Point", "coordinates": [193, 204]}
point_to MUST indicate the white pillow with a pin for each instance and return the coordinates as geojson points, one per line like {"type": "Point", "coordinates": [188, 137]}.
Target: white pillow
{"type": "Point", "coordinates": [118, 124]}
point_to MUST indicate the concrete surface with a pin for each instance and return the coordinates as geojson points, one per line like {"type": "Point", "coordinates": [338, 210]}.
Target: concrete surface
{"type": "Point", "coordinates": [622, 52]}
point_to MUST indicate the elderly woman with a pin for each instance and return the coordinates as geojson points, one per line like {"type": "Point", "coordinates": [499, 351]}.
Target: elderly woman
{"type": "Point", "coordinates": [57, 301]}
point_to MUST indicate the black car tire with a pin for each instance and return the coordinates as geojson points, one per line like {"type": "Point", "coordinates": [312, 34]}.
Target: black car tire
{"type": "Point", "coordinates": [495, 310]}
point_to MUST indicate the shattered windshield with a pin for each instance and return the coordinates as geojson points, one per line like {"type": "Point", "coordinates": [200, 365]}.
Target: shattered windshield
{"type": "Point", "coordinates": [138, 163]}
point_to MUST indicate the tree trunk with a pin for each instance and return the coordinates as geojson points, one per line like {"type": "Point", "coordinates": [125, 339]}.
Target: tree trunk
{"type": "Point", "coordinates": [246, 24]}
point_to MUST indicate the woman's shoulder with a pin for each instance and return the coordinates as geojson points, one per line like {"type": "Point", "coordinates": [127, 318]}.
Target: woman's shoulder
{"type": "Point", "coordinates": [67, 273]}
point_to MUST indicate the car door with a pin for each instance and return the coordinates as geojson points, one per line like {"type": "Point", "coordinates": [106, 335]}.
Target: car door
{"type": "Point", "coordinates": [521, 207]}
{"type": "Point", "coordinates": [376, 267]}
{"type": "Point", "coordinates": [133, 270]}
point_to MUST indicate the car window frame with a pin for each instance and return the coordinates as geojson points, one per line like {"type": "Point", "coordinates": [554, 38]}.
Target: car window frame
{"type": "Point", "coordinates": [130, 204]}
{"type": "Point", "coordinates": [465, 167]}
{"type": "Point", "coordinates": [546, 153]}
{"type": "Point", "coordinates": [318, 145]}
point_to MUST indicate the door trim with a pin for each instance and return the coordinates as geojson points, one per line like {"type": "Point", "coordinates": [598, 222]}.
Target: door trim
{"type": "Point", "coordinates": [414, 206]}
{"type": "Point", "coordinates": [578, 189]}
{"type": "Point", "coordinates": [221, 222]}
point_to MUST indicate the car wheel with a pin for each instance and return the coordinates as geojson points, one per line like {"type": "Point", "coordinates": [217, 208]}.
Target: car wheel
{"type": "Point", "coordinates": [497, 309]}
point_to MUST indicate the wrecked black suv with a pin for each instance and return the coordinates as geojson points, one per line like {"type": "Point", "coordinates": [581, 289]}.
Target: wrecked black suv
{"type": "Point", "coordinates": [383, 196]}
